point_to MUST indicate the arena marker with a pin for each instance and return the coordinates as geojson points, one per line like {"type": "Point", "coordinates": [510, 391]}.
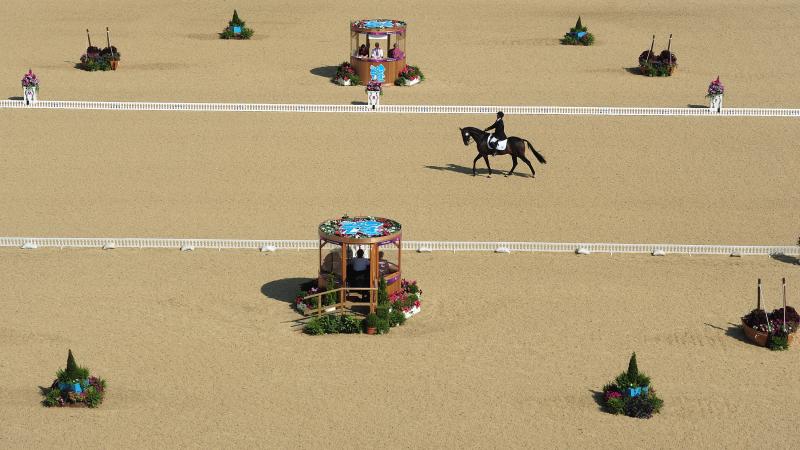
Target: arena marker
{"type": "Point", "coordinates": [502, 250]}
{"type": "Point", "coordinates": [109, 246]}
{"type": "Point", "coordinates": [659, 252]}
{"type": "Point", "coordinates": [424, 250]}
{"type": "Point", "coordinates": [268, 248]}
{"type": "Point", "coordinates": [187, 248]}
{"type": "Point", "coordinates": [30, 246]}
{"type": "Point", "coordinates": [582, 251]}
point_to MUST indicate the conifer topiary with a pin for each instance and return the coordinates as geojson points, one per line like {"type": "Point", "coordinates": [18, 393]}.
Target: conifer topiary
{"type": "Point", "coordinates": [633, 369]}
{"type": "Point", "coordinates": [383, 295]}
{"type": "Point", "coordinates": [236, 21]}
{"type": "Point", "coordinates": [578, 25]}
{"type": "Point", "coordinates": [72, 367]}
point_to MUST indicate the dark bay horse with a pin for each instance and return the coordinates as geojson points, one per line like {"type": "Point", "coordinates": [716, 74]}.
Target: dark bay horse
{"type": "Point", "coordinates": [515, 147]}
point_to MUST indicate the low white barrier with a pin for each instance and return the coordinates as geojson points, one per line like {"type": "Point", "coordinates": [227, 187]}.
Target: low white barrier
{"type": "Point", "coordinates": [401, 109]}
{"type": "Point", "coordinates": [424, 246]}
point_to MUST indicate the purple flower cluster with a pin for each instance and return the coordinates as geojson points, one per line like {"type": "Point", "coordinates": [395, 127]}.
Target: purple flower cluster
{"type": "Point", "coordinates": [716, 88]}
{"type": "Point", "coordinates": [30, 79]}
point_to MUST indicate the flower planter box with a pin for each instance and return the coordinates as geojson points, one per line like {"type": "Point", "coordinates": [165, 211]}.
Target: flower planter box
{"type": "Point", "coordinates": [343, 82]}
{"type": "Point", "coordinates": [407, 82]}
{"type": "Point", "coordinates": [761, 338]}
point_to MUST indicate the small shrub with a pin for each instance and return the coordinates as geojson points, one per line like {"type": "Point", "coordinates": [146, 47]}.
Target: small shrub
{"type": "Point", "coordinates": [382, 311]}
{"type": "Point", "coordinates": [314, 327]}
{"type": "Point", "coordinates": [93, 397]}
{"type": "Point", "coordinates": [330, 324]}
{"type": "Point", "coordinates": [349, 324]}
{"type": "Point", "coordinates": [778, 342]}
{"type": "Point", "coordinates": [616, 405]}
{"type": "Point", "coordinates": [383, 295]}
{"type": "Point", "coordinates": [52, 398]}
{"type": "Point", "coordinates": [246, 33]}
{"type": "Point", "coordinates": [639, 407]}
{"type": "Point", "coordinates": [371, 321]}
{"type": "Point", "coordinates": [396, 317]}
{"type": "Point", "coordinates": [383, 326]}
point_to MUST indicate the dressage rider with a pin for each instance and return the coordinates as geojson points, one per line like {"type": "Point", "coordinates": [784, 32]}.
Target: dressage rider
{"type": "Point", "coordinates": [499, 132]}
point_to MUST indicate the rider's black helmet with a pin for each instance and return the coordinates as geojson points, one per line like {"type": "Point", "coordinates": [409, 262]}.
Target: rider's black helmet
{"type": "Point", "coordinates": [500, 114]}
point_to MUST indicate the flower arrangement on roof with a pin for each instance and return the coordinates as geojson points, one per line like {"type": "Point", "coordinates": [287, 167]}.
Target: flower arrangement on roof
{"type": "Point", "coordinates": [715, 88]}
{"type": "Point", "coordinates": [30, 80]}
{"type": "Point", "coordinates": [409, 76]}
{"type": "Point", "coordinates": [75, 387]}
{"type": "Point", "coordinates": [631, 394]}
{"type": "Point", "coordinates": [360, 227]}
{"type": "Point", "coordinates": [377, 23]}
{"type": "Point", "coordinates": [578, 35]}
{"type": "Point", "coordinates": [236, 29]}
{"type": "Point", "coordinates": [346, 75]}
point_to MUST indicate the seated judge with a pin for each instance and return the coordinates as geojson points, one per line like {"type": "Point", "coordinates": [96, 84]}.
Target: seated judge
{"type": "Point", "coordinates": [377, 52]}
{"type": "Point", "coordinates": [395, 52]}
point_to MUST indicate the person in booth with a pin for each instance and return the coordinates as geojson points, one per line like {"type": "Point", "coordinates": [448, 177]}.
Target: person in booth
{"type": "Point", "coordinates": [395, 52]}
{"type": "Point", "coordinates": [363, 51]}
{"type": "Point", "coordinates": [377, 52]}
{"type": "Point", "coordinates": [360, 269]}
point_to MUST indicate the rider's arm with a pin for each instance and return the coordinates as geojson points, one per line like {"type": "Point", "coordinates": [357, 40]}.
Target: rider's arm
{"type": "Point", "coordinates": [491, 127]}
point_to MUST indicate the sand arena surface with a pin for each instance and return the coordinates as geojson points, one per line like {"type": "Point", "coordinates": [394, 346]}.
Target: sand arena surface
{"type": "Point", "coordinates": [197, 347]}
{"type": "Point", "coordinates": [198, 352]}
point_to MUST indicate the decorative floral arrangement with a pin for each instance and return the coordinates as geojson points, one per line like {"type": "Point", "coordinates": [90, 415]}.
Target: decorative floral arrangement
{"type": "Point", "coordinates": [631, 394]}
{"type": "Point", "coordinates": [74, 387]}
{"type": "Point", "coordinates": [408, 75]}
{"type": "Point", "coordinates": [96, 59]}
{"type": "Point", "coordinates": [346, 75]}
{"type": "Point", "coordinates": [779, 325]}
{"type": "Point", "coordinates": [360, 227]}
{"type": "Point", "coordinates": [408, 299]}
{"type": "Point", "coordinates": [658, 66]}
{"type": "Point", "coordinates": [236, 29]}
{"type": "Point", "coordinates": [374, 86]}
{"type": "Point", "coordinates": [578, 35]}
{"type": "Point", "coordinates": [30, 80]}
{"type": "Point", "coordinates": [377, 23]}
{"type": "Point", "coordinates": [715, 88]}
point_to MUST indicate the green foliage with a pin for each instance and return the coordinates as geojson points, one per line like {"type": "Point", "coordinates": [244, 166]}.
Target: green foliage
{"type": "Point", "coordinates": [247, 33]}
{"type": "Point", "coordinates": [396, 317]}
{"type": "Point", "coordinates": [331, 298]}
{"type": "Point", "coordinates": [349, 324]}
{"type": "Point", "coordinates": [579, 25]}
{"type": "Point", "coordinates": [314, 327]}
{"type": "Point", "coordinates": [227, 33]}
{"type": "Point", "coordinates": [633, 368]}
{"type": "Point", "coordinates": [616, 405]}
{"type": "Point", "coordinates": [236, 21]}
{"type": "Point", "coordinates": [778, 342]}
{"type": "Point", "coordinates": [383, 295]}
{"type": "Point", "coordinates": [382, 311]}
{"type": "Point", "coordinates": [51, 399]}
{"type": "Point", "coordinates": [96, 64]}
{"type": "Point", "coordinates": [72, 367]}
{"type": "Point", "coordinates": [655, 69]}
{"type": "Point", "coordinates": [93, 397]}
{"type": "Point", "coordinates": [371, 321]}
{"type": "Point", "coordinates": [383, 326]}
{"type": "Point", "coordinates": [640, 407]}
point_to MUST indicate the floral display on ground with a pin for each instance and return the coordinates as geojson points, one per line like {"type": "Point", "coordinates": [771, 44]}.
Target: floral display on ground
{"type": "Point", "coordinates": [409, 76]}
{"type": "Point", "coordinates": [346, 75]}
{"type": "Point", "coordinates": [30, 80]}
{"type": "Point", "coordinates": [578, 35]}
{"type": "Point", "coordinates": [631, 394]}
{"type": "Point", "coordinates": [774, 330]}
{"type": "Point", "coordinates": [374, 86]}
{"type": "Point", "coordinates": [96, 59]}
{"type": "Point", "coordinates": [392, 310]}
{"type": "Point", "coordinates": [74, 387]}
{"type": "Point", "coordinates": [715, 88]}
{"type": "Point", "coordinates": [236, 29]}
{"type": "Point", "coordinates": [661, 65]}
{"type": "Point", "coordinates": [360, 227]}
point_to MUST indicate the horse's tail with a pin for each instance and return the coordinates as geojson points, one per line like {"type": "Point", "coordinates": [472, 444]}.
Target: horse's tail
{"type": "Point", "coordinates": [538, 155]}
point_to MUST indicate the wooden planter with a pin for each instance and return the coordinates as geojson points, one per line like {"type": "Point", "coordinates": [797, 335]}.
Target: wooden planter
{"type": "Point", "coordinates": [761, 338]}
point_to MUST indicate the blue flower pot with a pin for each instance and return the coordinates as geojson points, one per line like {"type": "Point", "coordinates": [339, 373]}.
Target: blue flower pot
{"type": "Point", "coordinates": [76, 387]}
{"type": "Point", "coordinates": [62, 386]}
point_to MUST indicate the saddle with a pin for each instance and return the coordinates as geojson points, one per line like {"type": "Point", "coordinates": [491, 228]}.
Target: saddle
{"type": "Point", "coordinates": [495, 144]}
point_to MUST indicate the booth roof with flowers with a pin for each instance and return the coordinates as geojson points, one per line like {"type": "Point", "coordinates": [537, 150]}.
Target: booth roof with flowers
{"type": "Point", "coordinates": [386, 33]}
{"type": "Point", "coordinates": [381, 240]}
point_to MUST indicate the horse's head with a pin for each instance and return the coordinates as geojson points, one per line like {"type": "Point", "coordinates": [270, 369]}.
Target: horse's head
{"type": "Point", "coordinates": [465, 135]}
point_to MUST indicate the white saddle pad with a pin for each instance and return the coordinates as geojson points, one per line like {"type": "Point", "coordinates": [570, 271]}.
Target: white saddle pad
{"type": "Point", "coordinates": [499, 145]}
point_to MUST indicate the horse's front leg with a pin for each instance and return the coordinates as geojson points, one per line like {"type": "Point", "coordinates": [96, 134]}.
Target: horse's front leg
{"type": "Point", "coordinates": [486, 158]}
{"type": "Point", "coordinates": [473, 163]}
{"type": "Point", "coordinates": [513, 166]}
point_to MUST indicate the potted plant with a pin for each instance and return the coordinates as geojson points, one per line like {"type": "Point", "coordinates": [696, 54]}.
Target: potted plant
{"type": "Point", "coordinates": [631, 394]}
{"type": "Point", "coordinates": [374, 91]}
{"type": "Point", "coordinates": [774, 330]}
{"type": "Point", "coordinates": [715, 93]}
{"type": "Point", "coordinates": [371, 323]}
{"type": "Point", "coordinates": [409, 76]}
{"type": "Point", "coordinates": [75, 387]}
{"type": "Point", "coordinates": [30, 87]}
{"type": "Point", "coordinates": [661, 65]}
{"type": "Point", "coordinates": [346, 75]}
{"type": "Point", "coordinates": [111, 55]}
{"type": "Point", "coordinates": [236, 29]}
{"type": "Point", "coordinates": [578, 35]}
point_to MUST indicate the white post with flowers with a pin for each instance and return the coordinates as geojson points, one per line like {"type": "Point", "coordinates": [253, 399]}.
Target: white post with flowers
{"type": "Point", "coordinates": [374, 90]}
{"type": "Point", "coordinates": [30, 88]}
{"type": "Point", "coordinates": [715, 92]}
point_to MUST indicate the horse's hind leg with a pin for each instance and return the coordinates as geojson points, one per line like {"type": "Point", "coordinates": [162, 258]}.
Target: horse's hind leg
{"type": "Point", "coordinates": [533, 172]}
{"type": "Point", "coordinates": [514, 166]}
{"type": "Point", "coordinates": [486, 158]}
{"type": "Point", "coordinates": [473, 163]}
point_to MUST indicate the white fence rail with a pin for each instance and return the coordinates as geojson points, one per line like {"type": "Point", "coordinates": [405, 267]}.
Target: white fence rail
{"type": "Point", "coordinates": [434, 246]}
{"type": "Point", "coordinates": [401, 109]}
